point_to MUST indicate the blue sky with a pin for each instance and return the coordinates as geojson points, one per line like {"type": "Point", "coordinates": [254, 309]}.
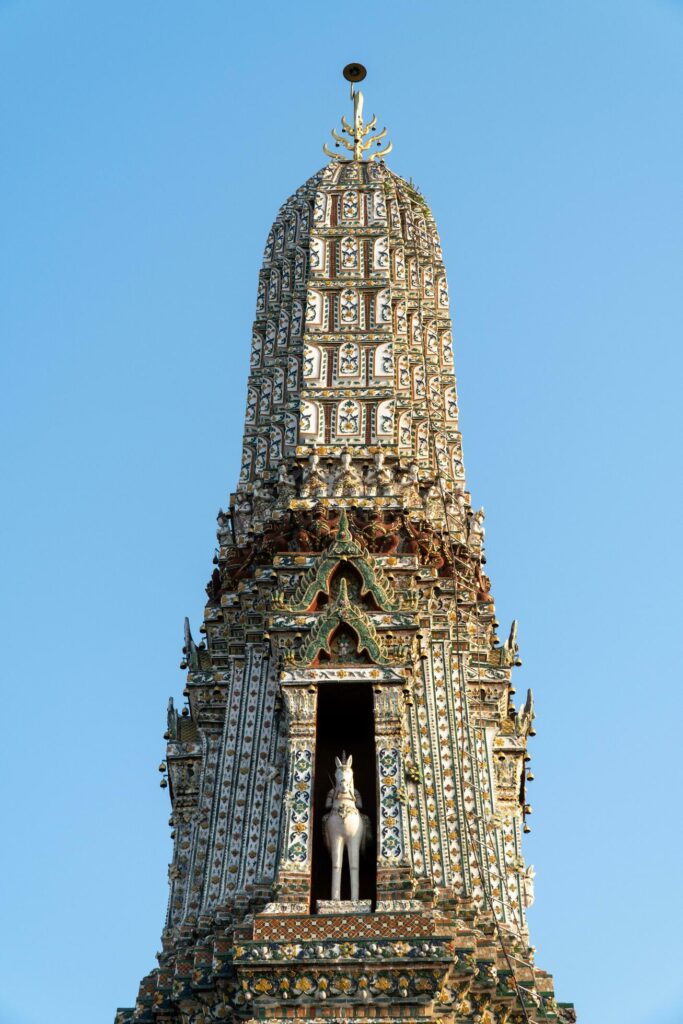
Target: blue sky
{"type": "Point", "coordinates": [146, 148]}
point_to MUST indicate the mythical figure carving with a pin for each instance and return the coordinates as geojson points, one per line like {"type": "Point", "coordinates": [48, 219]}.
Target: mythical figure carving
{"type": "Point", "coordinates": [382, 536]}
{"type": "Point", "coordinates": [263, 499]}
{"type": "Point", "coordinates": [409, 487]}
{"type": "Point", "coordinates": [347, 481]}
{"type": "Point", "coordinates": [315, 482]}
{"type": "Point", "coordinates": [380, 478]}
{"type": "Point", "coordinates": [286, 484]}
{"type": "Point", "coordinates": [456, 512]}
{"type": "Point", "coordinates": [483, 582]}
{"type": "Point", "coordinates": [324, 526]}
{"type": "Point", "coordinates": [434, 501]}
{"type": "Point", "coordinates": [344, 826]}
{"type": "Point", "coordinates": [476, 530]}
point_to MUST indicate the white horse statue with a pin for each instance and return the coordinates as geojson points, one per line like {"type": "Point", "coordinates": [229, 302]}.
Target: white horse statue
{"type": "Point", "coordinates": [345, 826]}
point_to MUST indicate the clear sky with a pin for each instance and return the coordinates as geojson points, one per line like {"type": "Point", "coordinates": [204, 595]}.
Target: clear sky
{"type": "Point", "coordinates": [146, 147]}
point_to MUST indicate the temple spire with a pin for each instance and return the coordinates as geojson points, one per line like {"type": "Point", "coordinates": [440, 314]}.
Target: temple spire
{"type": "Point", "coordinates": [348, 609]}
{"type": "Point", "coordinates": [359, 134]}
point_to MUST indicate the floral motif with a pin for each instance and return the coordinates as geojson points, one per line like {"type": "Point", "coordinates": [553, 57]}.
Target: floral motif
{"type": "Point", "coordinates": [399, 263]}
{"type": "Point", "coordinates": [311, 361]}
{"type": "Point", "coordinates": [349, 359]}
{"type": "Point", "coordinates": [314, 308]}
{"type": "Point", "coordinates": [428, 281]}
{"type": "Point", "coordinates": [381, 253]}
{"type": "Point", "coordinates": [320, 208]}
{"type": "Point", "coordinates": [290, 429]}
{"type": "Point", "coordinates": [316, 253]}
{"type": "Point", "coordinates": [283, 328]}
{"type": "Point", "coordinates": [423, 441]}
{"type": "Point", "coordinates": [348, 417]}
{"type": "Point", "coordinates": [390, 840]}
{"type": "Point", "coordinates": [256, 348]}
{"type": "Point", "coordinates": [261, 455]}
{"type": "Point", "coordinates": [299, 804]}
{"type": "Point", "coordinates": [292, 374]}
{"type": "Point", "coordinates": [297, 319]}
{"type": "Point", "coordinates": [385, 418]}
{"type": "Point", "coordinates": [404, 438]}
{"type": "Point", "coordinates": [417, 331]}
{"type": "Point", "coordinates": [286, 277]}
{"type": "Point", "coordinates": [348, 306]}
{"type": "Point", "coordinates": [380, 207]}
{"type": "Point", "coordinates": [245, 470]}
{"type": "Point", "coordinates": [309, 418]}
{"type": "Point", "coordinates": [275, 446]}
{"type": "Point", "coordinates": [271, 334]}
{"type": "Point", "coordinates": [266, 394]}
{"type": "Point", "coordinates": [447, 348]}
{"type": "Point", "coordinates": [384, 360]}
{"type": "Point", "coordinates": [299, 267]}
{"type": "Point", "coordinates": [403, 374]}
{"type": "Point", "coordinates": [274, 288]}
{"type": "Point", "coordinates": [383, 306]}
{"type": "Point", "coordinates": [349, 253]}
{"type": "Point", "coordinates": [252, 402]}
{"type": "Point", "coordinates": [279, 386]}
{"type": "Point", "coordinates": [261, 296]}
{"type": "Point", "coordinates": [350, 204]}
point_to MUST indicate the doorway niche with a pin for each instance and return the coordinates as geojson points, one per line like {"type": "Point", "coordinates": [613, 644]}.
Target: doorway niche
{"type": "Point", "coordinates": [345, 722]}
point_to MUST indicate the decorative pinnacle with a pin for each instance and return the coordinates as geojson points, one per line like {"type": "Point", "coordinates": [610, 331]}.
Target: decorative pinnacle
{"type": "Point", "coordinates": [358, 141]}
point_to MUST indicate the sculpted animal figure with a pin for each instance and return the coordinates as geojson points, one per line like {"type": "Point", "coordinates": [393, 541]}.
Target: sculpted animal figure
{"type": "Point", "coordinates": [344, 826]}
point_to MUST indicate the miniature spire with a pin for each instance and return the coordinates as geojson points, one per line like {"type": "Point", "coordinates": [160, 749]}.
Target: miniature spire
{"type": "Point", "coordinates": [358, 141]}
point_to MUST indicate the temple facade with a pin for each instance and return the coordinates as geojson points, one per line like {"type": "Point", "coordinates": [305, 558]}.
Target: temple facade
{"type": "Point", "coordinates": [348, 774]}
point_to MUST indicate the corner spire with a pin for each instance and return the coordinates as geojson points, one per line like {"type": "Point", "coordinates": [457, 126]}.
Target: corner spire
{"type": "Point", "coordinates": [358, 141]}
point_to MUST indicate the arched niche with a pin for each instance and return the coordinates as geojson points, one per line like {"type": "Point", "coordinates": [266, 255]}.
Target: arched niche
{"type": "Point", "coordinates": [344, 723]}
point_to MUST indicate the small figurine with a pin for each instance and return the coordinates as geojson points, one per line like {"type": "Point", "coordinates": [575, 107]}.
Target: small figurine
{"type": "Point", "coordinates": [347, 481]}
{"type": "Point", "coordinates": [286, 484]}
{"type": "Point", "coordinates": [409, 487]}
{"type": "Point", "coordinates": [380, 479]}
{"type": "Point", "coordinates": [315, 483]}
{"type": "Point", "coordinates": [476, 530]}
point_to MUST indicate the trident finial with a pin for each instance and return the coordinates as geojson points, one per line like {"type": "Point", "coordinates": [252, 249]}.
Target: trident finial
{"type": "Point", "coordinates": [357, 143]}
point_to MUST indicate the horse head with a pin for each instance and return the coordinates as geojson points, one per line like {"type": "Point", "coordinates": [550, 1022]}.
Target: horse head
{"type": "Point", "coordinates": [343, 776]}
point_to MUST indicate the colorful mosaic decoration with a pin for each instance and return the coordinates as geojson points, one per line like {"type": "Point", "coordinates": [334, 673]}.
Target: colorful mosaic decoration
{"type": "Point", "coordinates": [350, 568]}
{"type": "Point", "coordinates": [389, 772]}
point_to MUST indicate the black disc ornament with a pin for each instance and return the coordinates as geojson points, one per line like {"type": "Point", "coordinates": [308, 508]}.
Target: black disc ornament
{"type": "Point", "coordinates": [354, 72]}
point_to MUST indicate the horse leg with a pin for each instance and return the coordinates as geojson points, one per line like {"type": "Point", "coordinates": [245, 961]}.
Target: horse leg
{"type": "Point", "coordinates": [337, 854]}
{"type": "Point", "coordinates": [354, 848]}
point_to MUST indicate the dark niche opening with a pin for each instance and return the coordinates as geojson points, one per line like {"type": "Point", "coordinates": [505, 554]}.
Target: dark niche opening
{"type": "Point", "coordinates": [345, 721]}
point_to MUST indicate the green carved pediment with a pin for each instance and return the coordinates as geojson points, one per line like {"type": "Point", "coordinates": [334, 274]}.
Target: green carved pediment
{"type": "Point", "coordinates": [344, 612]}
{"type": "Point", "coordinates": [345, 550]}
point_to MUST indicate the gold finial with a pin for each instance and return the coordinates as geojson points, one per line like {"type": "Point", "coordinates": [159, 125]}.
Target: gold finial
{"type": "Point", "coordinates": [357, 143]}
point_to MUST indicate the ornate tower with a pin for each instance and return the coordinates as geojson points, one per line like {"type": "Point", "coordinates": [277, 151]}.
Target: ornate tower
{"type": "Point", "coordinates": [349, 611]}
